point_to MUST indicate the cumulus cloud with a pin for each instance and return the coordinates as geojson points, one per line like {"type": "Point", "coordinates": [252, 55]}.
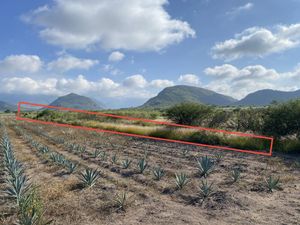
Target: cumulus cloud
{"type": "Point", "coordinates": [191, 79]}
{"type": "Point", "coordinates": [20, 63]}
{"type": "Point", "coordinates": [135, 81]}
{"type": "Point", "coordinates": [161, 83]}
{"type": "Point", "coordinates": [68, 62]}
{"type": "Point", "coordinates": [238, 82]}
{"type": "Point", "coordinates": [131, 25]}
{"type": "Point", "coordinates": [136, 86]}
{"type": "Point", "coordinates": [237, 10]}
{"type": "Point", "coordinates": [116, 56]}
{"type": "Point", "coordinates": [258, 42]}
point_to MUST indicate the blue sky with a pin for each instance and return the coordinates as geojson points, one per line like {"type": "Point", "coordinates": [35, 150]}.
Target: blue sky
{"type": "Point", "coordinates": [123, 52]}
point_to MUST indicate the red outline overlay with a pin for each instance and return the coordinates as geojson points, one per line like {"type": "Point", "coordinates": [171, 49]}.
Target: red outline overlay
{"type": "Point", "coordinates": [269, 153]}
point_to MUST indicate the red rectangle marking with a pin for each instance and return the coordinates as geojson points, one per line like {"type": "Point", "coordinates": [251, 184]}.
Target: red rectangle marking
{"type": "Point", "coordinates": [269, 153]}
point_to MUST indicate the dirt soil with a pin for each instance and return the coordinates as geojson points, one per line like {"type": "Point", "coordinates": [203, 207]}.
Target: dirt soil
{"type": "Point", "coordinates": [151, 202]}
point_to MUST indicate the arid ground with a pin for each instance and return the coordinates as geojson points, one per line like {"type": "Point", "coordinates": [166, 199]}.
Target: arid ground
{"type": "Point", "coordinates": [66, 201]}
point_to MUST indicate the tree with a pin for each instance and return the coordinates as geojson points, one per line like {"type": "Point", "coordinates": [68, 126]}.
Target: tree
{"type": "Point", "coordinates": [188, 113]}
{"type": "Point", "coordinates": [283, 119]}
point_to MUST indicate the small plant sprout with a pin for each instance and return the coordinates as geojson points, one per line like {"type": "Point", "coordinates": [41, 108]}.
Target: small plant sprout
{"type": "Point", "coordinates": [205, 166]}
{"type": "Point", "coordinates": [218, 157]}
{"type": "Point", "coordinates": [184, 152]}
{"type": "Point", "coordinates": [126, 163]}
{"type": "Point", "coordinates": [103, 156]}
{"type": "Point", "coordinates": [235, 175]}
{"type": "Point", "coordinates": [272, 183]}
{"type": "Point", "coordinates": [181, 180]}
{"type": "Point", "coordinates": [142, 165]}
{"type": "Point", "coordinates": [158, 173]}
{"type": "Point", "coordinates": [206, 189]}
{"type": "Point", "coordinates": [89, 177]}
{"type": "Point", "coordinates": [114, 159]}
{"type": "Point", "coordinates": [121, 201]}
{"type": "Point", "coordinates": [71, 167]}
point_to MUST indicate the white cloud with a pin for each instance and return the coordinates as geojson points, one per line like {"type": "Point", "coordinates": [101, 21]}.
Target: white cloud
{"type": "Point", "coordinates": [135, 81]}
{"type": "Point", "coordinates": [258, 42]}
{"type": "Point", "coordinates": [161, 83]}
{"type": "Point", "coordinates": [68, 62]}
{"type": "Point", "coordinates": [237, 10]}
{"type": "Point", "coordinates": [116, 56]}
{"type": "Point", "coordinates": [230, 80]}
{"type": "Point", "coordinates": [20, 63]}
{"type": "Point", "coordinates": [134, 87]}
{"type": "Point", "coordinates": [118, 24]}
{"type": "Point", "coordinates": [191, 79]}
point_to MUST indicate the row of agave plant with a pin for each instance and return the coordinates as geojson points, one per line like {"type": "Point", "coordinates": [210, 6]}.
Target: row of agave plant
{"type": "Point", "coordinates": [88, 177]}
{"type": "Point", "coordinates": [55, 158]}
{"type": "Point", "coordinates": [19, 188]}
{"type": "Point", "coordinates": [205, 166]}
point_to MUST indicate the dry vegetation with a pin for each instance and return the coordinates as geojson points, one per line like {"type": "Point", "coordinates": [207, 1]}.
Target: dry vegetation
{"type": "Point", "coordinates": [94, 178]}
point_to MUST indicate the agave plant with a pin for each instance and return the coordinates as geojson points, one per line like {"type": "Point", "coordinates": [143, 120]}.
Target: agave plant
{"type": "Point", "coordinates": [205, 166]}
{"type": "Point", "coordinates": [121, 200]}
{"type": "Point", "coordinates": [89, 177]}
{"type": "Point", "coordinates": [218, 157]}
{"type": "Point", "coordinates": [71, 167]}
{"type": "Point", "coordinates": [235, 175]}
{"type": "Point", "coordinates": [96, 153]}
{"type": "Point", "coordinates": [205, 189]}
{"type": "Point", "coordinates": [158, 173]}
{"type": "Point", "coordinates": [17, 187]}
{"type": "Point", "coordinates": [114, 159]}
{"type": "Point", "coordinates": [181, 179]}
{"type": "Point", "coordinates": [126, 163]}
{"type": "Point", "coordinates": [103, 156]}
{"type": "Point", "coordinates": [272, 183]}
{"type": "Point", "coordinates": [142, 165]}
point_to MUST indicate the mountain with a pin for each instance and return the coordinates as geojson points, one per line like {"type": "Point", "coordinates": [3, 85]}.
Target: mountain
{"type": "Point", "coordinates": [6, 106]}
{"type": "Point", "coordinates": [266, 96]}
{"type": "Point", "coordinates": [183, 93]}
{"type": "Point", "coordinates": [77, 101]}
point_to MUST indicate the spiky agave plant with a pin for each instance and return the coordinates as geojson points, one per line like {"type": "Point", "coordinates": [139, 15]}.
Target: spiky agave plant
{"type": "Point", "coordinates": [218, 157]}
{"type": "Point", "coordinates": [235, 175]}
{"type": "Point", "coordinates": [121, 200]}
{"type": "Point", "coordinates": [206, 189]}
{"type": "Point", "coordinates": [181, 180]}
{"type": "Point", "coordinates": [71, 167]}
{"type": "Point", "coordinates": [272, 183]}
{"type": "Point", "coordinates": [17, 187]}
{"type": "Point", "coordinates": [126, 163]}
{"type": "Point", "coordinates": [114, 159]}
{"type": "Point", "coordinates": [89, 177]}
{"type": "Point", "coordinates": [96, 153]}
{"type": "Point", "coordinates": [205, 166]}
{"type": "Point", "coordinates": [158, 173]}
{"type": "Point", "coordinates": [142, 165]}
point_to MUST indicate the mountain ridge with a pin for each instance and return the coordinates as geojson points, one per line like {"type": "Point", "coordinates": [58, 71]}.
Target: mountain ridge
{"type": "Point", "coordinates": [76, 101]}
{"type": "Point", "coordinates": [184, 93]}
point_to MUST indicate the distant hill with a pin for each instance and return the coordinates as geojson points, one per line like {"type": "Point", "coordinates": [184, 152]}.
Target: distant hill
{"type": "Point", "coordinates": [266, 96]}
{"type": "Point", "coordinates": [77, 101]}
{"type": "Point", "coordinates": [183, 93]}
{"type": "Point", "coordinates": [6, 106]}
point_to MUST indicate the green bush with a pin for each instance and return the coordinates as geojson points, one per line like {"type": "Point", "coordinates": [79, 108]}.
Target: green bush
{"type": "Point", "coordinates": [188, 113]}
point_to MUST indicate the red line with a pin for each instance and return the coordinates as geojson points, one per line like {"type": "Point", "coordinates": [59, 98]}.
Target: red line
{"type": "Point", "coordinates": [148, 120]}
{"type": "Point", "coordinates": [144, 136]}
{"type": "Point", "coordinates": [140, 136]}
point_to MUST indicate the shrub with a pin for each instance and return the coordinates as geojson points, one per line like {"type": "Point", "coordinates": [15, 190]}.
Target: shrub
{"type": "Point", "coordinates": [188, 113]}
